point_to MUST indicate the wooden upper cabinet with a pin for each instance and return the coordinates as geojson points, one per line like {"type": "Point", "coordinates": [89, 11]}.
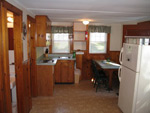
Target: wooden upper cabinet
{"type": "Point", "coordinates": [43, 28]}
{"type": "Point", "coordinates": [140, 29]}
{"type": "Point", "coordinates": [138, 32]}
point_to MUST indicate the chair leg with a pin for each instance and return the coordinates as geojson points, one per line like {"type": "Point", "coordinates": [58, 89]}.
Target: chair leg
{"type": "Point", "coordinates": [97, 86]}
{"type": "Point", "coordinates": [94, 84]}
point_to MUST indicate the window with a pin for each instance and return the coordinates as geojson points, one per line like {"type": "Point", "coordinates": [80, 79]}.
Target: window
{"type": "Point", "coordinates": [61, 43]}
{"type": "Point", "coordinates": [98, 43]}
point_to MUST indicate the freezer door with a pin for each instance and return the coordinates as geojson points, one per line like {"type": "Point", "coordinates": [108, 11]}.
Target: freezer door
{"type": "Point", "coordinates": [127, 90]}
{"type": "Point", "coordinates": [131, 56]}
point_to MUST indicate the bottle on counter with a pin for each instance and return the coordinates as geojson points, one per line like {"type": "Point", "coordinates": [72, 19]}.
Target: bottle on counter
{"type": "Point", "coordinates": [74, 54]}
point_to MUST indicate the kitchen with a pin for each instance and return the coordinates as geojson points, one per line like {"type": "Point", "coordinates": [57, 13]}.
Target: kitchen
{"type": "Point", "coordinates": [78, 41]}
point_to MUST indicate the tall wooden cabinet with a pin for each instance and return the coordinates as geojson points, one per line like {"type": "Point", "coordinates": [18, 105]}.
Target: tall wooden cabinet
{"type": "Point", "coordinates": [43, 28]}
{"type": "Point", "coordinates": [64, 71]}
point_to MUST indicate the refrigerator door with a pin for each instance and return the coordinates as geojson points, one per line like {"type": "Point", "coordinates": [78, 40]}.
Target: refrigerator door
{"type": "Point", "coordinates": [143, 92]}
{"type": "Point", "coordinates": [131, 56]}
{"type": "Point", "coordinates": [127, 90]}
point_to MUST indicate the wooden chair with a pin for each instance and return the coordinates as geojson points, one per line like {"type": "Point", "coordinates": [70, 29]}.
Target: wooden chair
{"type": "Point", "coordinates": [100, 77]}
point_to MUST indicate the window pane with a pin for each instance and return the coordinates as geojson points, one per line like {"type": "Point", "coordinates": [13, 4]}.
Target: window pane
{"type": "Point", "coordinates": [97, 47]}
{"type": "Point", "coordinates": [61, 47]}
{"type": "Point", "coordinates": [61, 43]}
{"type": "Point", "coordinates": [98, 43]}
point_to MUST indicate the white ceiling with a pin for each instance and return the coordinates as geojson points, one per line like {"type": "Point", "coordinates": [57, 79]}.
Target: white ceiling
{"type": "Point", "coordinates": [103, 11]}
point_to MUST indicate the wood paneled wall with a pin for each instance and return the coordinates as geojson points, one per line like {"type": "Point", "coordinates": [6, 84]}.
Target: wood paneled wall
{"type": "Point", "coordinates": [86, 69]}
{"type": "Point", "coordinates": [27, 89]}
{"type": "Point", "coordinates": [114, 56]}
{"type": "Point", "coordinates": [87, 57]}
{"type": "Point", "coordinates": [31, 49]}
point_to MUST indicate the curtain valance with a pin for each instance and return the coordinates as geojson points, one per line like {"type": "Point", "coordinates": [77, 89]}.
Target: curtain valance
{"type": "Point", "coordinates": [105, 29]}
{"type": "Point", "coordinates": [61, 29]}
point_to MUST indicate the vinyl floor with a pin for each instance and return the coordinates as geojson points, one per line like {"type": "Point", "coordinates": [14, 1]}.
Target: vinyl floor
{"type": "Point", "coordinates": [77, 98]}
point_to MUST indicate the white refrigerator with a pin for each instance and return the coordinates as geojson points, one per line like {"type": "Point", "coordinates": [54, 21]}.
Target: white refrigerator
{"type": "Point", "coordinates": [134, 74]}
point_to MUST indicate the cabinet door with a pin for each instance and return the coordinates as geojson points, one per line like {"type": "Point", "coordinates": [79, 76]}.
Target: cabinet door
{"type": "Point", "coordinates": [64, 73]}
{"type": "Point", "coordinates": [57, 72]}
{"type": "Point", "coordinates": [41, 31]}
{"type": "Point", "coordinates": [45, 80]}
{"type": "Point", "coordinates": [71, 72]}
{"type": "Point", "coordinates": [79, 61]}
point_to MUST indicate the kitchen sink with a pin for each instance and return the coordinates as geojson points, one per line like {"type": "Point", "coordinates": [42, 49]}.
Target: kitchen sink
{"type": "Point", "coordinates": [47, 61]}
{"type": "Point", "coordinates": [64, 57]}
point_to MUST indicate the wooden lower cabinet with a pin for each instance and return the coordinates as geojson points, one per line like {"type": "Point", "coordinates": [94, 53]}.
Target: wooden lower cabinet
{"type": "Point", "coordinates": [45, 80]}
{"type": "Point", "coordinates": [64, 71]}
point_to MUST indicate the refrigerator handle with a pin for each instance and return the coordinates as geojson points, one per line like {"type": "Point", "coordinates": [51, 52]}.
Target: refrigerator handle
{"type": "Point", "coordinates": [119, 74]}
{"type": "Point", "coordinates": [120, 56]}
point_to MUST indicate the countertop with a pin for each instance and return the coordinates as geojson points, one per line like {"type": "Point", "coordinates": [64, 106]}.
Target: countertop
{"type": "Point", "coordinates": [51, 59]}
{"type": "Point", "coordinates": [107, 65]}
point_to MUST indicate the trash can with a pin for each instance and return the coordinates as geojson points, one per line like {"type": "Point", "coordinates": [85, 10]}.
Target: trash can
{"type": "Point", "coordinates": [77, 74]}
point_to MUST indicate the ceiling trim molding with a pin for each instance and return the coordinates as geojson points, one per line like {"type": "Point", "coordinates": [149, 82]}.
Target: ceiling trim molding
{"type": "Point", "coordinates": [92, 11]}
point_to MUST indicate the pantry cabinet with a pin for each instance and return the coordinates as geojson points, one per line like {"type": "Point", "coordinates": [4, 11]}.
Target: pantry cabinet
{"type": "Point", "coordinates": [43, 28]}
{"type": "Point", "coordinates": [64, 71]}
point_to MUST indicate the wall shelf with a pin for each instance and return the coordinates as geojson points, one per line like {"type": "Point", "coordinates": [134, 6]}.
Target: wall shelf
{"type": "Point", "coordinates": [79, 42]}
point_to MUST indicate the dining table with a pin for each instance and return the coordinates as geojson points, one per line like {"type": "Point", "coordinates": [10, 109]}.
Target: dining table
{"type": "Point", "coordinates": [110, 67]}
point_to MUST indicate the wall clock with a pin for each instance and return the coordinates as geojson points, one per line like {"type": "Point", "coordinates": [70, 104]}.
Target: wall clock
{"type": "Point", "coordinates": [24, 28]}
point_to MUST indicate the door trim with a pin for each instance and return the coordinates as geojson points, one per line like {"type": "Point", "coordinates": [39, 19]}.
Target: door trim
{"type": "Point", "coordinates": [18, 48]}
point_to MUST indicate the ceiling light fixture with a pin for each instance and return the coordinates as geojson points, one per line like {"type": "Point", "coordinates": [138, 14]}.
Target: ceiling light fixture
{"type": "Point", "coordinates": [85, 22]}
{"type": "Point", "coordinates": [10, 19]}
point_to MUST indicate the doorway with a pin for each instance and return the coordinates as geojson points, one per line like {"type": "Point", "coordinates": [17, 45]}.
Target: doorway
{"type": "Point", "coordinates": [22, 85]}
{"type": "Point", "coordinates": [10, 26]}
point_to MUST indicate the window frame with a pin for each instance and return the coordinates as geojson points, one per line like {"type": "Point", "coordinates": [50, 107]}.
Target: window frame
{"type": "Point", "coordinates": [108, 45]}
